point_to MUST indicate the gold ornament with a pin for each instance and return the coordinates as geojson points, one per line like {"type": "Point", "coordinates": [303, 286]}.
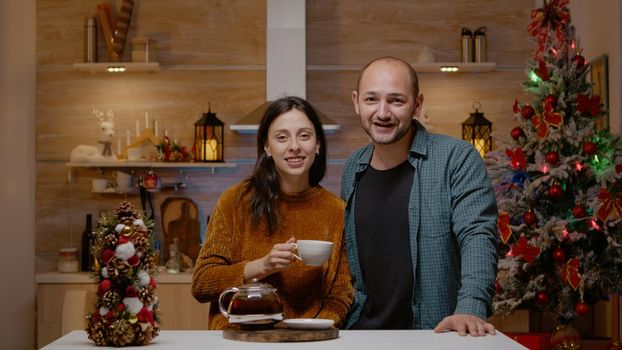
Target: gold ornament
{"type": "Point", "coordinates": [127, 231]}
{"type": "Point", "coordinates": [565, 337]}
{"type": "Point", "coordinates": [133, 319]}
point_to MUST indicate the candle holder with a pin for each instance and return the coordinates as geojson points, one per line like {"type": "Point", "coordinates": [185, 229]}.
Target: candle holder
{"type": "Point", "coordinates": [209, 138]}
{"type": "Point", "coordinates": [477, 131]}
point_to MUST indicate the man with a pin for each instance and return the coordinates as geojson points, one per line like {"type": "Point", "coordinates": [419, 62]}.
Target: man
{"type": "Point", "coordinates": [421, 215]}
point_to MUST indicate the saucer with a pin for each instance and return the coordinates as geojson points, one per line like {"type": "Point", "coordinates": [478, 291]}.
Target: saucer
{"type": "Point", "coordinates": [308, 323]}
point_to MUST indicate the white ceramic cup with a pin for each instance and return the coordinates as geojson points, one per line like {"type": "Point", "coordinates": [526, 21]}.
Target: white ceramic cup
{"type": "Point", "coordinates": [314, 253]}
{"type": "Point", "coordinates": [124, 180]}
{"type": "Point", "coordinates": [99, 185]}
{"type": "Point", "coordinates": [134, 153]}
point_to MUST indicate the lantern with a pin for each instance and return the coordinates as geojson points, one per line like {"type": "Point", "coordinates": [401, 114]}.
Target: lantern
{"type": "Point", "coordinates": [477, 131]}
{"type": "Point", "coordinates": [208, 138]}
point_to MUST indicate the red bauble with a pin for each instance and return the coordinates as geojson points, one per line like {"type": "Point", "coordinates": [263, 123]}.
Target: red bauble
{"type": "Point", "coordinates": [582, 309]}
{"type": "Point", "coordinates": [552, 158]}
{"type": "Point", "coordinates": [542, 298]}
{"type": "Point", "coordinates": [579, 61]}
{"type": "Point", "coordinates": [559, 255]}
{"type": "Point", "coordinates": [578, 211]}
{"type": "Point", "coordinates": [527, 111]}
{"type": "Point", "coordinates": [498, 287]}
{"type": "Point", "coordinates": [517, 133]}
{"type": "Point", "coordinates": [618, 168]}
{"type": "Point", "coordinates": [556, 192]}
{"type": "Point", "coordinates": [530, 218]}
{"type": "Point", "coordinates": [589, 148]}
{"type": "Point", "coordinates": [551, 100]}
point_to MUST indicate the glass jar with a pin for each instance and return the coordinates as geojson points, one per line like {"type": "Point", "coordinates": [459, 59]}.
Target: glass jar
{"type": "Point", "coordinates": [68, 260]}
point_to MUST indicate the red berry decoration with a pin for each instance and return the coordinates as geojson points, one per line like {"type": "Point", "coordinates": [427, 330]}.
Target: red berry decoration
{"type": "Point", "coordinates": [527, 111]}
{"type": "Point", "coordinates": [498, 287]}
{"type": "Point", "coordinates": [582, 309]}
{"type": "Point", "coordinates": [552, 157]}
{"type": "Point", "coordinates": [551, 100]}
{"type": "Point", "coordinates": [542, 298]}
{"type": "Point", "coordinates": [559, 255]}
{"type": "Point", "coordinates": [530, 218]}
{"type": "Point", "coordinates": [579, 61]}
{"type": "Point", "coordinates": [517, 133]}
{"type": "Point", "coordinates": [578, 211]}
{"type": "Point", "coordinates": [589, 148]}
{"type": "Point", "coordinates": [556, 192]}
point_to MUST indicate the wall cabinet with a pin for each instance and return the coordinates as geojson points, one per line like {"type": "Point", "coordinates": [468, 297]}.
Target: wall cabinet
{"type": "Point", "coordinates": [178, 309]}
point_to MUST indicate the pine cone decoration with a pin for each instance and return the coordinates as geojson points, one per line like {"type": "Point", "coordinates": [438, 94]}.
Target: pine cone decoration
{"type": "Point", "coordinates": [146, 295]}
{"type": "Point", "coordinates": [122, 333]}
{"type": "Point", "coordinates": [111, 298]}
{"type": "Point", "coordinates": [141, 243]}
{"type": "Point", "coordinates": [149, 263]}
{"type": "Point", "coordinates": [111, 240]}
{"type": "Point", "coordinates": [126, 213]}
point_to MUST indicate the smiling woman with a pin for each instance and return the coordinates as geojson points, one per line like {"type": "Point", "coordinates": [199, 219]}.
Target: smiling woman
{"type": "Point", "coordinates": [255, 224]}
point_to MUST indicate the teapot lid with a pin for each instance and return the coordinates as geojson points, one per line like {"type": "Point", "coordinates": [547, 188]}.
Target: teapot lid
{"type": "Point", "coordinates": [256, 286]}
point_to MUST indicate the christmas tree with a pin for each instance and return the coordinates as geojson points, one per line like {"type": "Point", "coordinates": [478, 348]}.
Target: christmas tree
{"type": "Point", "coordinates": [126, 310]}
{"type": "Point", "coordinates": [557, 182]}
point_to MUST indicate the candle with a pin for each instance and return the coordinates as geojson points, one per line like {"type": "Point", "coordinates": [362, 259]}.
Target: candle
{"type": "Point", "coordinates": [127, 137]}
{"type": "Point", "coordinates": [137, 128]}
{"type": "Point", "coordinates": [155, 126]}
{"type": "Point", "coordinates": [146, 120]}
{"type": "Point", "coordinates": [165, 133]}
{"type": "Point", "coordinates": [210, 147]}
{"type": "Point", "coordinates": [479, 146]}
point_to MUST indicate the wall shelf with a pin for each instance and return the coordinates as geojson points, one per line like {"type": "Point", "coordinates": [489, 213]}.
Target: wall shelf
{"type": "Point", "coordinates": [151, 165]}
{"type": "Point", "coordinates": [117, 67]}
{"type": "Point", "coordinates": [434, 67]}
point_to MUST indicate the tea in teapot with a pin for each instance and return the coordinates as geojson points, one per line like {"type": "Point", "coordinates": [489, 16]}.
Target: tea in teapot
{"type": "Point", "coordinates": [253, 306]}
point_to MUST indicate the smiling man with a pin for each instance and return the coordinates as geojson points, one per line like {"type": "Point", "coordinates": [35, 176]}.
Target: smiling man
{"type": "Point", "coordinates": [420, 221]}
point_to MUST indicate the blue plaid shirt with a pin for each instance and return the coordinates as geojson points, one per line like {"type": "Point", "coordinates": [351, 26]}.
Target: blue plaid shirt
{"type": "Point", "coordinates": [453, 229]}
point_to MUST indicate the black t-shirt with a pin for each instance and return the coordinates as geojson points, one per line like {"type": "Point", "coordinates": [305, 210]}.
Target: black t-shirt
{"type": "Point", "coordinates": [383, 242]}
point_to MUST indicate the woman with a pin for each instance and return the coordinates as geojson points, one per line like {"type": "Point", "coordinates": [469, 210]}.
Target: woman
{"type": "Point", "coordinates": [255, 223]}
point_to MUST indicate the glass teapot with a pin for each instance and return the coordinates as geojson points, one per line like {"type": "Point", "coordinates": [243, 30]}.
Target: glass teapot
{"type": "Point", "coordinates": [252, 305]}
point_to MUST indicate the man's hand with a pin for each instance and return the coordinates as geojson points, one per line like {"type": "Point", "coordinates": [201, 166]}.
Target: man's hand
{"type": "Point", "coordinates": [463, 323]}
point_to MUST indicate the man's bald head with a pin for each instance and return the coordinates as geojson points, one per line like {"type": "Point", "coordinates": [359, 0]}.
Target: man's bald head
{"type": "Point", "coordinates": [414, 80]}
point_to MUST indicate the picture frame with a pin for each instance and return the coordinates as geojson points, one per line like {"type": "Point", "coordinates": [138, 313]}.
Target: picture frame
{"type": "Point", "coordinates": [600, 86]}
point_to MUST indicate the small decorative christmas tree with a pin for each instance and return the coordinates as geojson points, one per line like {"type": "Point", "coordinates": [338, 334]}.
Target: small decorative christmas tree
{"type": "Point", "coordinates": [127, 307]}
{"type": "Point", "coordinates": [557, 182]}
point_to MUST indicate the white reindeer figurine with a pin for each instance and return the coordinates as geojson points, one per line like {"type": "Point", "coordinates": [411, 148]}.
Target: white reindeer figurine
{"type": "Point", "coordinates": [103, 150]}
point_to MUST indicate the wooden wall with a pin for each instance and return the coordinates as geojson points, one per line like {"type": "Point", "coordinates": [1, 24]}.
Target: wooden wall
{"type": "Point", "coordinates": [195, 37]}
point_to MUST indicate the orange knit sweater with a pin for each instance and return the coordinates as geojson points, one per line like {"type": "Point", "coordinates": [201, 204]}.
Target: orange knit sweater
{"type": "Point", "coordinates": [231, 241]}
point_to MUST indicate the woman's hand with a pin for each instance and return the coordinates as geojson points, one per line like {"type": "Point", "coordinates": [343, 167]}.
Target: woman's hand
{"type": "Point", "coordinates": [278, 259]}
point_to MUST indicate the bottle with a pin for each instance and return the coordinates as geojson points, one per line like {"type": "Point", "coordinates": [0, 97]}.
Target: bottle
{"type": "Point", "coordinates": [90, 40]}
{"type": "Point", "coordinates": [86, 244]}
{"type": "Point", "coordinates": [173, 263]}
{"type": "Point", "coordinates": [479, 45]}
{"type": "Point", "coordinates": [467, 45]}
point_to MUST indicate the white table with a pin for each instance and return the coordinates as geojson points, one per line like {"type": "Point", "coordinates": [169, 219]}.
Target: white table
{"type": "Point", "coordinates": [358, 340]}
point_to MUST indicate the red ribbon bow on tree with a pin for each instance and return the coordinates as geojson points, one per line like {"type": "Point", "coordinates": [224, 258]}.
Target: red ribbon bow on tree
{"type": "Point", "coordinates": [547, 118]}
{"type": "Point", "coordinates": [588, 104]}
{"type": "Point", "coordinates": [570, 273]}
{"type": "Point", "coordinates": [518, 159]}
{"type": "Point", "coordinates": [554, 16]}
{"type": "Point", "coordinates": [609, 205]}
{"type": "Point", "coordinates": [522, 248]}
{"type": "Point", "coordinates": [505, 232]}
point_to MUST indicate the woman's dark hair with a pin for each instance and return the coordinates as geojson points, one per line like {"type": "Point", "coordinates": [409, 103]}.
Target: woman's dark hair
{"type": "Point", "coordinates": [264, 183]}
